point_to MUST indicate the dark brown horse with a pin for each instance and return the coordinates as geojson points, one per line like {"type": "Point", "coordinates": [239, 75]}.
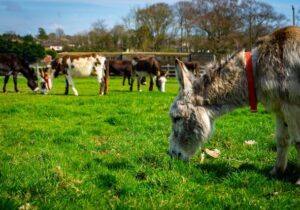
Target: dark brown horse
{"type": "Point", "coordinates": [11, 64]}
{"type": "Point", "coordinates": [121, 67]}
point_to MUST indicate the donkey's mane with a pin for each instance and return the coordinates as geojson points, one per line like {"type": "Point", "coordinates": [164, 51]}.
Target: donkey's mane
{"type": "Point", "coordinates": [210, 72]}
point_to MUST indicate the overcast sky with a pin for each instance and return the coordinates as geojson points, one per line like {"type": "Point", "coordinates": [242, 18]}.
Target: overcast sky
{"type": "Point", "coordinates": [75, 16]}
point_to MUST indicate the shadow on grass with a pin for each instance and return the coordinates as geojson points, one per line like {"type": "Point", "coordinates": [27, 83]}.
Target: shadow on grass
{"type": "Point", "coordinates": [221, 171]}
{"type": "Point", "coordinates": [72, 95]}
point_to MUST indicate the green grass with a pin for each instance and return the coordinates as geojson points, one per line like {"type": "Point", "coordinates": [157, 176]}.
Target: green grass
{"type": "Point", "coordinates": [111, 152]}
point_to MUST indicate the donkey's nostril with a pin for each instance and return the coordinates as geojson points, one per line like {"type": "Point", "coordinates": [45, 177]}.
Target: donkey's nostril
{"type": "Point", "coordinates": [179, 154]}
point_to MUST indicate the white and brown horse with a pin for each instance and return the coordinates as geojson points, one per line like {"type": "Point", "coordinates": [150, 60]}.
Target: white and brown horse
{"type": "Point", "coordinates": [78, 65]}
{"type": "Point", "coordinates": [221, 89]}
{"type": "Point", "coordinates": [11, 64]}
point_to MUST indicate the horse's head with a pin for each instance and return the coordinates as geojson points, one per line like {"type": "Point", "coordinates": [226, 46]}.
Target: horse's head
{"type": "Point", "coordinates": [46, 74]}
{"type": "Point", "coordinates": [29, 73]}
{"type": "Point", "coordinates": [100, 65]}
{"type": "Point", "coordinates": [191, 121]}
{"type": "Point", "coordinates": [161, 81]}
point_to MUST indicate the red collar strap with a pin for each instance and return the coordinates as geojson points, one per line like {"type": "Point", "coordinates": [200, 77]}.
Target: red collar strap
{"type": "Point", "coordinates": [250, 79]}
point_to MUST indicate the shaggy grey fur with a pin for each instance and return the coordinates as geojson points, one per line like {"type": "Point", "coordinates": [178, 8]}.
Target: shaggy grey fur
{"type": "Point", "coordinates": [221, 89]}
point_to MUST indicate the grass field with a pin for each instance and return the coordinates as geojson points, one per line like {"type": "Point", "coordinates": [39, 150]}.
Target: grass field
{"type": "Point", "coordinates": [111, 152]}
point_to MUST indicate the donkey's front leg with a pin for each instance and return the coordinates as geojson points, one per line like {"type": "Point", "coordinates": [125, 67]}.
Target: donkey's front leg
{"type": "Point", "coordinates": [132, 81]}
{"type": "Point", "coordinates": [298, 150]}
{"type": "Point", "coordinates": [283, 142]}
{"type": "Point", "coordinates": [67, 87]}
{"type": "Point", "coordinates": [15, 77]}
{"type": "Point", "coordinates": [139, 80]}
{"type": "Point", "coordinates": [151, 83]}
{"type": "Point", "coordinates": [6, 78]}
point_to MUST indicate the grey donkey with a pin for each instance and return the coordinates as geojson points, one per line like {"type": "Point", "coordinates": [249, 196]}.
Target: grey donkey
{"type": "Point", "coordinates": [223, 88]}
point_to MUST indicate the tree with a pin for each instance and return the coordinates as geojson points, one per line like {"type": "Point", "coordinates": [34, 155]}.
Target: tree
{"type": "Point", "coordinates": [42, 34]}
{"type": "Point", "coordinates": [119, 37]}
{"type": "Point", "coordinates": [130, 20]}
{"type": "Point", "coordinates": [143, 38]}
{"type": "Point", "coordinates": [259, 19]}
{"type": "Point", "coordinates": [184, 17]}
{"type": "Point", "coordinates": [99, 26]}
{"type": "Point", "coordinates": [59, 32]}
{"type": "Point", "coordinates": [25, 47]}
{"type": "Point", "coordinates": [157, 18]}
{"type": "Point", "coordinates": [219, 21]}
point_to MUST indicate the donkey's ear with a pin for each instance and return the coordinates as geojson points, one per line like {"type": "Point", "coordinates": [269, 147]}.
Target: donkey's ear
{"type": "Point", "coordinates": [183, 75]}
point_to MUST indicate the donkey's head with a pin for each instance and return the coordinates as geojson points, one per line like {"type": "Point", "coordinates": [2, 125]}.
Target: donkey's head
{"type": "Point", "coordinates": [191, 121]}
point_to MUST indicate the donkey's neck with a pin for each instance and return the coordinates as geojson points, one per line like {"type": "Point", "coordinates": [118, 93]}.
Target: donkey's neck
{"type": "Point", "coordinates": [25, 73]}
{"type": "Point", "coordinates": [228, 89]}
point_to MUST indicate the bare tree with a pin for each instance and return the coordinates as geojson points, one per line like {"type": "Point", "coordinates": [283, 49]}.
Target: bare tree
{"type": "Point", "coordinates": [130, 20]}
{"type": "Point", "coordinates": [259, 19]}
{"type": "Point", "coordinates": [219, 21]}
{"type": "Point", "coordinates": [184, 17]}
{"type": "Point", "coordinates": [99, 38]}
{"type": "Point", "coordinates": [99, 26]}
{"type": "Point", "coordinates": [157, 18]}
{"type": "Point", "coordinates": [60, 33]}
{"type": "Point", "coordinates": [119, 37]}
{"type": "Point", "coordinates": [298, 18]}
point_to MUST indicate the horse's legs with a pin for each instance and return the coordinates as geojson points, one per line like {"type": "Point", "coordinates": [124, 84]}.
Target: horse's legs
{"type": "Point", "coordinates": [6, 78]}
{"type": "Point", "coordinates": [139, 83]}
{"type": "Point", "coordinates": [124, 79]}
{"type": "Point", "coordinates": [101, 79]}
{"type": "Point", "coordinates": [15, 77]}
{"type": "Point", "coordinates": [67, 87]}
{"type": "Point", "coordinates": [128, 78]}
{"type": "Point", "coordinates": [71, 83]}
{"type": "Point", "coordinates": [283, 142]}
{"type": "Point", "coordinates": [151, 83]}
{"type": "Point", "coordinates": [102, 88]}
{"type": "Point", "coordinates": [132, 81]}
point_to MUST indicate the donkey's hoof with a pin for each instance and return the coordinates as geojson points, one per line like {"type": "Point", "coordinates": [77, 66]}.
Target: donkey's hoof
{"type": "Point", "coordinates": [298, 182]}
{"type": "Point", "coordinates": [273, 172]}
{"type": "Point", "coordinates": [277, 172]}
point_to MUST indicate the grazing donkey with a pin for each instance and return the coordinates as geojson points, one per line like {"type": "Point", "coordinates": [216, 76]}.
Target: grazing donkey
{"type": "Point", "coordinates": [221, 89]}
{"type": "Point", "coordinates": [148, 66]}
{"type": "Point", "coordinates": [11, 64]}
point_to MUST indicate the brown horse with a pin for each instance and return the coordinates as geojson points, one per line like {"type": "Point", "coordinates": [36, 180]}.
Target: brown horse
{"type": "Point", "coordinates": [121, 67]}
{"type": "Point", "coordinates": [148, 66]}
{"type": "Point", "coordinates": [11, 64]}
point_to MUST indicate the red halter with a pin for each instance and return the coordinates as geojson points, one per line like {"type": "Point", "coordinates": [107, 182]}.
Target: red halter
{"type": "Point", "coordinates": [250, 79]}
